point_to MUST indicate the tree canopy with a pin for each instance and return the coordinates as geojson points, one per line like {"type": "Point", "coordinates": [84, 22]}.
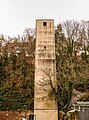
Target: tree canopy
{"type": "Point", "coordinates": [17, 72]}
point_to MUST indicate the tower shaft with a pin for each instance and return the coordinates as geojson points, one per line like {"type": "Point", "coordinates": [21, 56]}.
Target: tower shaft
{"type": "Point", "coordinates": [45, 108]}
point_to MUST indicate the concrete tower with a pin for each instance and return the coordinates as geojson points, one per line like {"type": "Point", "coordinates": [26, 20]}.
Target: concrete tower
{"type": "Point", "coordinates": [44, 107]}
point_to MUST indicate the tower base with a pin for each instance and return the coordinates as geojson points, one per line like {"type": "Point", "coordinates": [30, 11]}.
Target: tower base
{"type": "Point", "coordinates": [45, 115]}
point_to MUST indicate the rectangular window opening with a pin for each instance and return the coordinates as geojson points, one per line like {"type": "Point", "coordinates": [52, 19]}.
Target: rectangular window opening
{"type": "Point", "coordinates": [44, 23]}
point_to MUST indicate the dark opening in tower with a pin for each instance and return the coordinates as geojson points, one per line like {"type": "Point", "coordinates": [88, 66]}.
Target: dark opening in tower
{"type": "Point", "coordinates": [44, 23]}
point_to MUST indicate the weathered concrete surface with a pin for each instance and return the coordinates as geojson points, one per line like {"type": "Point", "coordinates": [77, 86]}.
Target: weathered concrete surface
{"type": "Point", "coordinates": [44, 107]}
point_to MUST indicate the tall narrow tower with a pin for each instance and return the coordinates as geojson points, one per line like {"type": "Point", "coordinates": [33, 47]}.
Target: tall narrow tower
{"type": "Point", "coordinates": [44, 107]}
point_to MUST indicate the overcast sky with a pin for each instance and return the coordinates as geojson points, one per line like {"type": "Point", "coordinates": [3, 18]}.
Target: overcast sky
{"type": "Point", "coordinates": [16, 15]}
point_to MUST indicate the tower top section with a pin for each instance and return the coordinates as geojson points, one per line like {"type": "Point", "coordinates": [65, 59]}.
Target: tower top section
{"type": "Point", "coordinates": [44, 25]}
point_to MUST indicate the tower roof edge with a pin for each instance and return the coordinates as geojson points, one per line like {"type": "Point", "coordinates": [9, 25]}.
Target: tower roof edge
{"type": "Point", "coordinates": [44, 19]}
